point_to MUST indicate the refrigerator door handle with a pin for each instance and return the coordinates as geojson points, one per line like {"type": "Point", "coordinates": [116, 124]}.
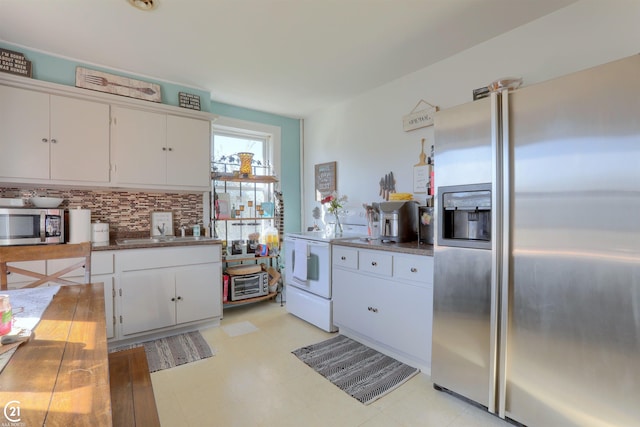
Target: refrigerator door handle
{"type": "Point", "coordinates": [500, 224]}
{"type": "Point", "coordinates": [505, 251]}
{"type": "Point", "coordinates": [496, 149]}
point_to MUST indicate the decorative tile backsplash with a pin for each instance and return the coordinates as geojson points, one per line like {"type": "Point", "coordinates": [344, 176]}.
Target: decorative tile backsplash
{"type": "Point", "coordinates": [124, 211]}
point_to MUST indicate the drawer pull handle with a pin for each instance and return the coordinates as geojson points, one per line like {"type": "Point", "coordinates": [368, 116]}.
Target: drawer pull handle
{"type": "Point", "coordinates": [373, 263]}
{"type": "Point", "coordinates": [414, 270]}
{"type": "Point", "coordinates": [372, 309]}
{"type": "Point", "coordinates": [343, 258]}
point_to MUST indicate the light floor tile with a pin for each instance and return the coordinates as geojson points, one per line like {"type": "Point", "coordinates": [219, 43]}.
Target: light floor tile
{"type": "Point", "coordinates": [254, 380]}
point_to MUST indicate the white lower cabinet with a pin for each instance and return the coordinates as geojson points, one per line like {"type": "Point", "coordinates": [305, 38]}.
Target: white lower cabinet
{"type": "Point", "coordinates": [162, 288]}
{"type": "Point", "coordinates": [385, 300]}
{"type": "Point", "coordinates": [155, 299]}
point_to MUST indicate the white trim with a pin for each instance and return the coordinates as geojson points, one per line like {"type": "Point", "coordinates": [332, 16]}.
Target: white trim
{"type": "Point", "coordinates": [302, 193]}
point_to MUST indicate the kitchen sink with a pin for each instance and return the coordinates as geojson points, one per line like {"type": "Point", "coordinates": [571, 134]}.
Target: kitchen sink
{"type": "Point", "coordinates": [165, 239]}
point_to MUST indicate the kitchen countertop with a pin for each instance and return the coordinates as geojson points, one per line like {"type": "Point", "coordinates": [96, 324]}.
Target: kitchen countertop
{"type": "Point", "coordinates": [112, 245]}
{"type": "Point", "coordinates": [413, 248]}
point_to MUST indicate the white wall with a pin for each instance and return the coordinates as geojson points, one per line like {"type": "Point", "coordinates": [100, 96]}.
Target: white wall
{"type": "Point", "coordinates": [364, 134]}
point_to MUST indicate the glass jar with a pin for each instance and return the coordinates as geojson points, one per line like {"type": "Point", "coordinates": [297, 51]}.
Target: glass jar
{"type": "Point", "coordinates": [6, 315]}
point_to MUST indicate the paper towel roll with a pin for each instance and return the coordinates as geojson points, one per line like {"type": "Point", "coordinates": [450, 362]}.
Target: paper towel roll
{"type": "Point", "coordinates": [99, 232]}
{"type": "Point", "coordinates": [79, 225]}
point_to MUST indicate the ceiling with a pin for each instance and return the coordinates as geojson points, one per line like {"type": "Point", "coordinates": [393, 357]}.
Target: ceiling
{"type": "Point", "coordinates": [288, 57]}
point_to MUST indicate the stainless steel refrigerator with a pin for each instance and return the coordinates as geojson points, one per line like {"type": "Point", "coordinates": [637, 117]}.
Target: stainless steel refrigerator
{"type": "Point", "coordinates": [537, 256]}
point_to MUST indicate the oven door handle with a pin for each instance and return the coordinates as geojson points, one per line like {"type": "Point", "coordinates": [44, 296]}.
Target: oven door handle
{"type": "Point", "coordinates": [296, 281]}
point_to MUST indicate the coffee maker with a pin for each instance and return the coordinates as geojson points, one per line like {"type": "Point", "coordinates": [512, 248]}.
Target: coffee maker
{"type": "Point", "coordinates": [399, 221]}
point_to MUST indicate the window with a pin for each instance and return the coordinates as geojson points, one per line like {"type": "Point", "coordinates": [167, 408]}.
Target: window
{"type": "Point", "coordinates": [245, 201]}
{"type": "Point", "coordinates": [227, 144]}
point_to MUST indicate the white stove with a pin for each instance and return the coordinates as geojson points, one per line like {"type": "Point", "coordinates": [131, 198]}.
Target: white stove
{"type": "Point", "coordinates": [308, 273]}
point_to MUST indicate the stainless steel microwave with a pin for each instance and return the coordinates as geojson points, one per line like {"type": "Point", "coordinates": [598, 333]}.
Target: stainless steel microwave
{"type": "Point", "coordinates": [31, 226]}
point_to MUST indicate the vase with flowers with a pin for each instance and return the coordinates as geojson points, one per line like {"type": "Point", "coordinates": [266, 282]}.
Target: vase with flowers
{"type": "Point", "coordinates": [334, 204]}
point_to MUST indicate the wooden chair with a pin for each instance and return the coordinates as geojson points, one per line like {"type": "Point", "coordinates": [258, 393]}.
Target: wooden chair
{"type": "Point", "coordinates": [13, 254]}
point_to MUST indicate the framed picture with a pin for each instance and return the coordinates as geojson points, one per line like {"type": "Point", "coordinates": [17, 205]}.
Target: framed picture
{"type": "Point", "coordinates": [325, 174]}
{"type": "Point", "coordinates": [223, 206]}
{"type": "Point", "coordinates": [162, 224]}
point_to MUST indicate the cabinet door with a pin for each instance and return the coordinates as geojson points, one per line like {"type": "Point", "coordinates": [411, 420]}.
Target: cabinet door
{"type": "Point", "coordinates": [198, 293]}
{"type": "Point", "coordinates": [109, 286]}
{"type": "Point", "coordinates": [147, 300]}
{"type": "Point", "coordinates": [80, 130]}
{"type": "Point", "coordinates": [139, 146]}
{"type": "Point", "coordinates": [393, 313]}
{"type": "Point", "coordinates": [188, 151]}
{"type": "Point", "coordinates": [24, 124]}
{"type": "Point", "coordinates": [406, 318]}
{"type": "Point", "coordinates": [354, 301]}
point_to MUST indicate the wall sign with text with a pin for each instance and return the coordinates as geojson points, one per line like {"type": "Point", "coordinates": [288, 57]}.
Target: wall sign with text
{"type": "Point", "coordinates": [188, 100]}
{"type": "Point", "coordinates": [14, 63]}
{"type": "Point", "coordinates": [325, 179]}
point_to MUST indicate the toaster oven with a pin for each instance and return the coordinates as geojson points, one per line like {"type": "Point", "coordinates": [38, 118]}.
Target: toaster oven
{"type": "Point", "coordinates": [248, 286]}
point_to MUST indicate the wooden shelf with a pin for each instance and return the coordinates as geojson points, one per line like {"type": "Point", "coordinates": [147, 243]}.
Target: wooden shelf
{"type": "Point", "coordinates": [243, 219]}
{"type": "Point", "coordinates": [255, 179]}
{"type": "Point", "coordinates": [247, 258]}
{"type": "Point", "coordinates": [251, 300]}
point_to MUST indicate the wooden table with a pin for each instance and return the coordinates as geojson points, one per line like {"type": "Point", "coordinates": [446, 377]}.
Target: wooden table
{"type": "Point", "coordinates": [61, 376]}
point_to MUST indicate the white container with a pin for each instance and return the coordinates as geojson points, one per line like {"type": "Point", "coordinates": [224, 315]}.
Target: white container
{"type": "Point", "coordinates": [100, 232]}
{"type": "Point", "coordinates": [79, 225]}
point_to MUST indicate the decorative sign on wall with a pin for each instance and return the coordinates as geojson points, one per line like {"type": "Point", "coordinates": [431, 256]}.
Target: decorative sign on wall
{"type": "Point", "coordinates": [14, 63]}
{"type": "Point", "coordinates": [417, 119]}
{"type": "Point", "coordinates": [162, 223]}
{"type": "Point", "coordinates": [190, 101]}
{"type": "Point", "coordinates": [325, 179]}
{"type": "Point", "coordinates": [117, 85]}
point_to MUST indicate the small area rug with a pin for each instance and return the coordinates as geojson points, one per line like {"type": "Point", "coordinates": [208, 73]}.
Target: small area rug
{"type": "Point", "coordinates": [176, 350]}
{"type": "Point", "coordinates": [362, 372]}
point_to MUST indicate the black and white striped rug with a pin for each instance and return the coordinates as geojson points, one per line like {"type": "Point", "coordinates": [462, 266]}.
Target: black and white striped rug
{"type": "Point", "coordinates": [176, 350]}
{"type": "Point", "coordinates": [360, 371]}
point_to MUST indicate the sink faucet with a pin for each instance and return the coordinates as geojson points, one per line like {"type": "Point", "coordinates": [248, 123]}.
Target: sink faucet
{"type": "Point", "coordinates": [183, 229]}
{"type": "Point", "coordinates": [161, 230]}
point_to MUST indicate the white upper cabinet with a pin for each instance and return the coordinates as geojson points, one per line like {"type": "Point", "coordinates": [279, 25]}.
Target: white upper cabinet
{"type": "Point", "coordinates": [139, 146]}
{"type": "Point", "coordinates": [160, 149]}
{"type": "Point", "coordinates": [80, 130]}
{"type": "Point", "coordinates": [50, 137]}
{"type": "Point", "coordinates": [188, 151]}
{"type": "Point", "coordinates": [53, 134]}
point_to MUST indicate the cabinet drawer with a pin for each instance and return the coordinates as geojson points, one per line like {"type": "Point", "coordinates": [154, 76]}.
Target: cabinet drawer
{"type": "Point", "coordinates": [416, 268]}
{"type": "Point", "coordinates": [142, 259]}
{"type": "Point", "coordinates": [377, 262]}
{"type": "Point", "coordinates": [345, 257]}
